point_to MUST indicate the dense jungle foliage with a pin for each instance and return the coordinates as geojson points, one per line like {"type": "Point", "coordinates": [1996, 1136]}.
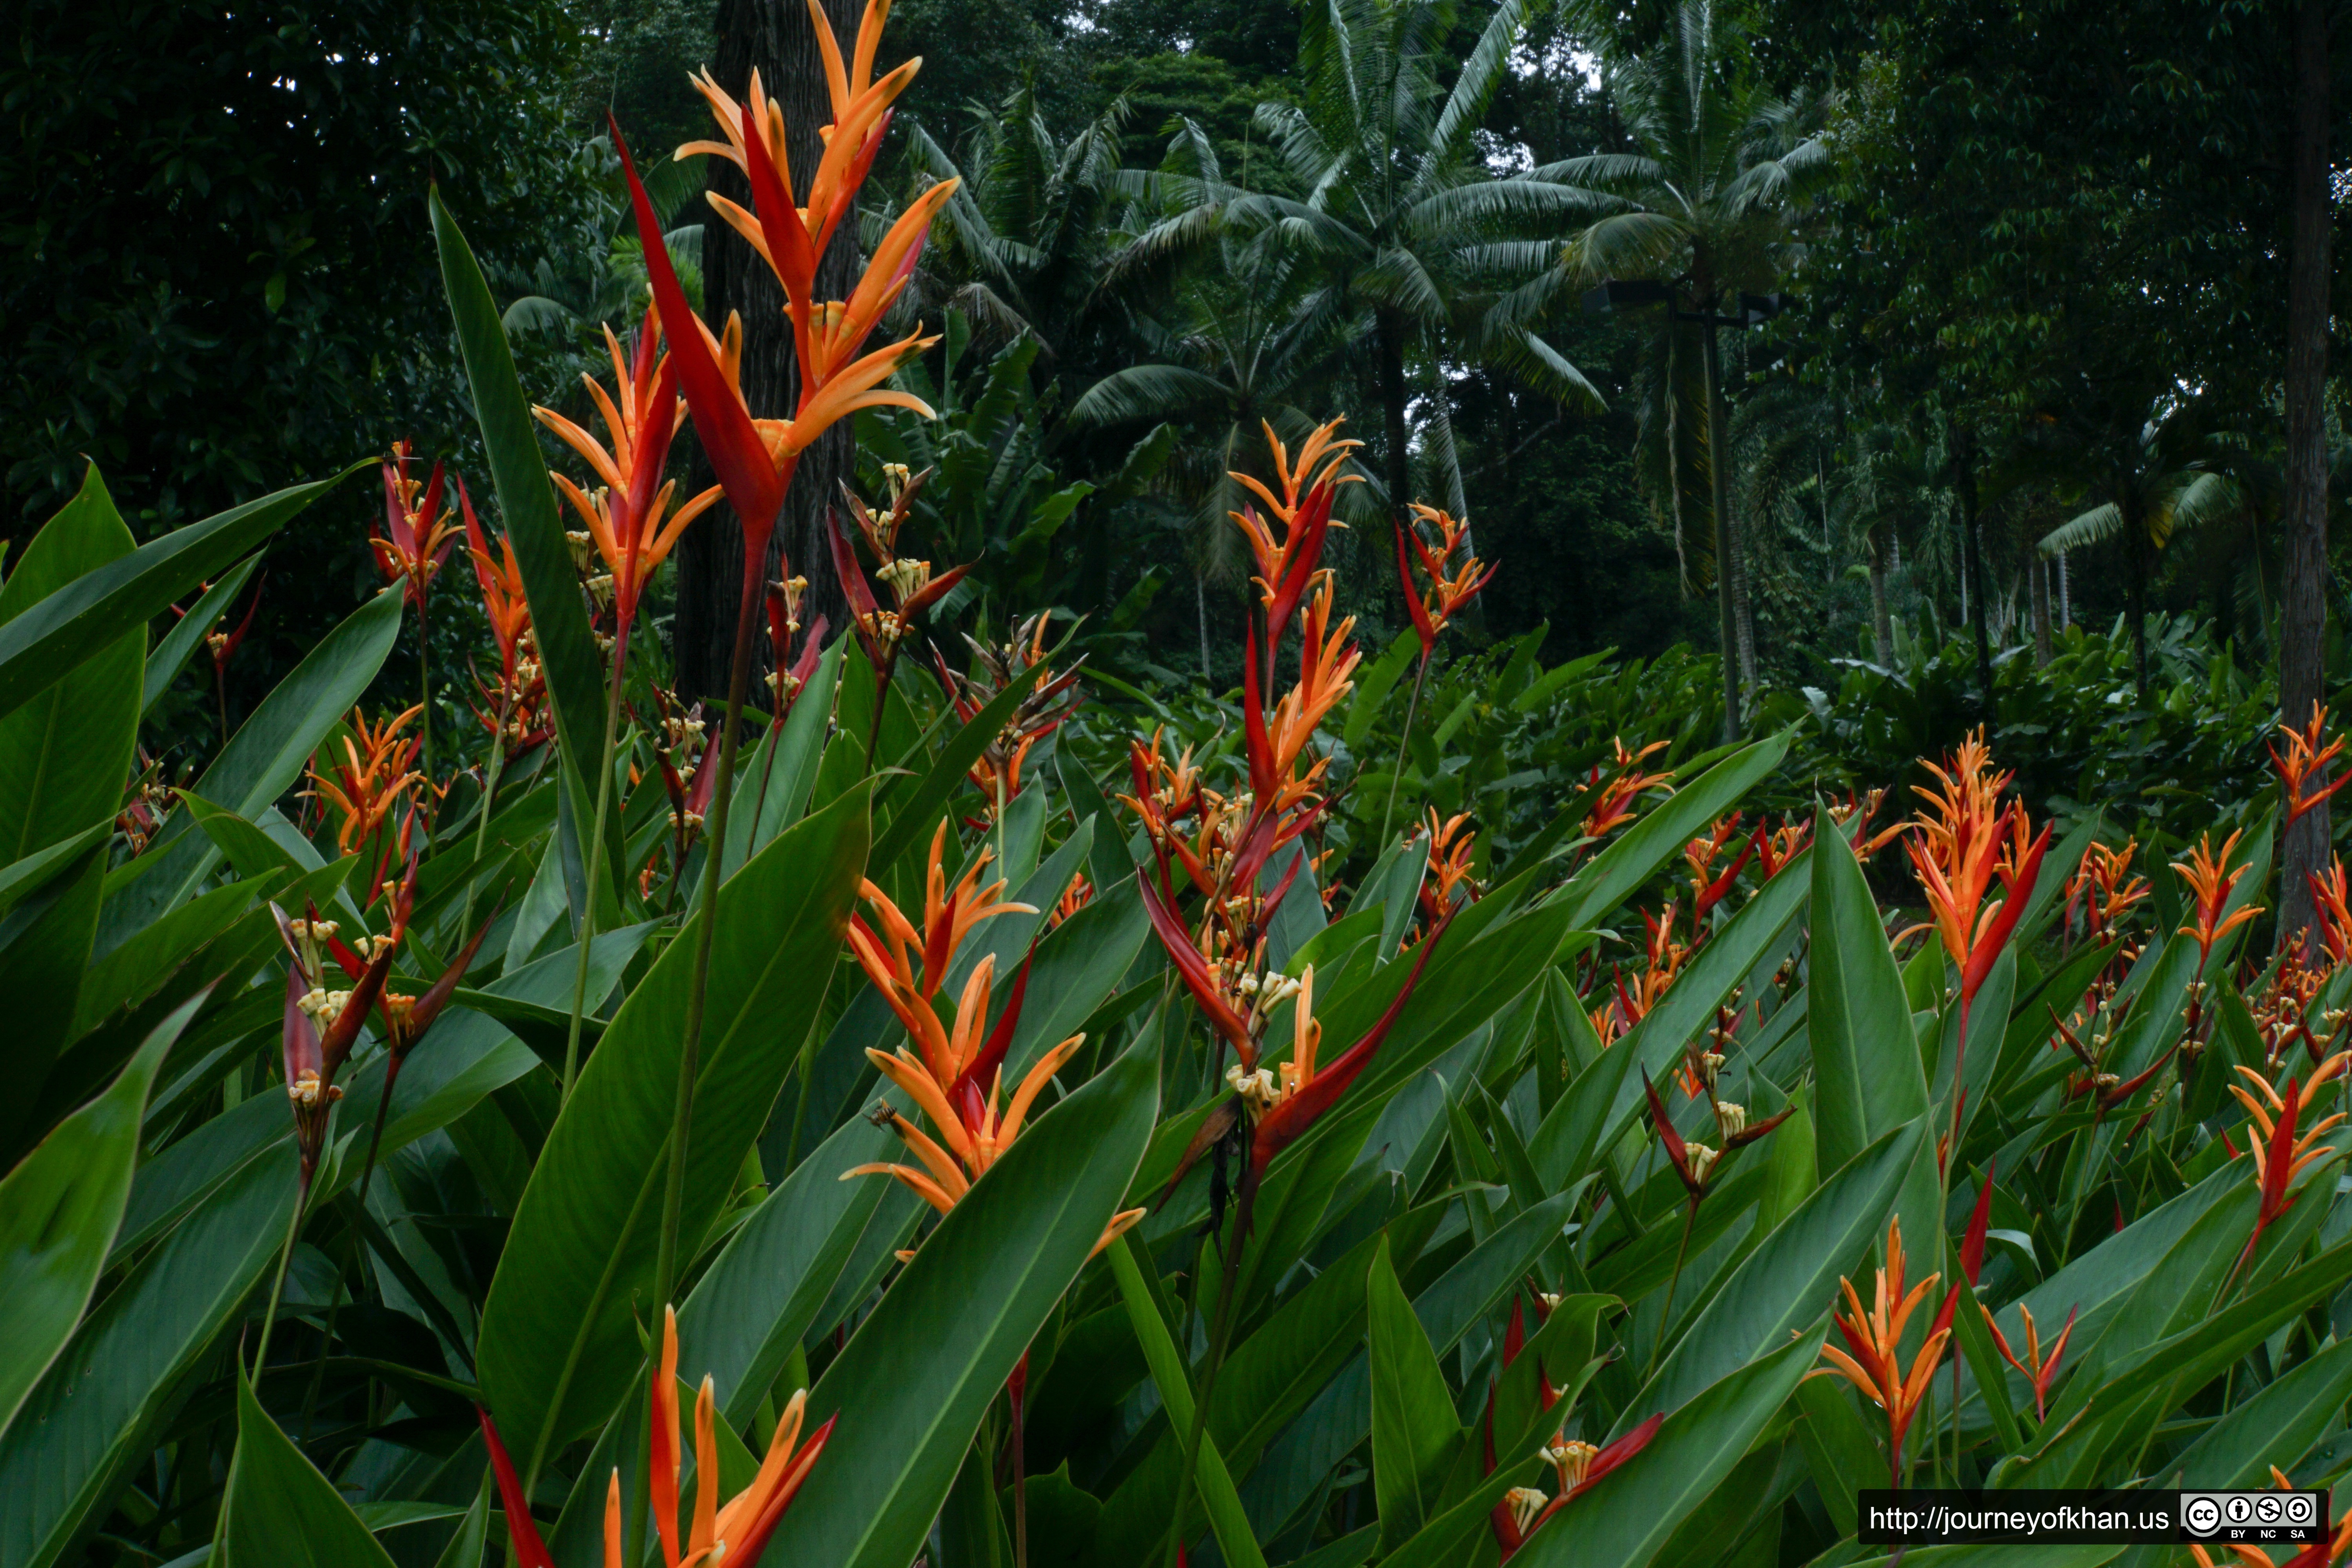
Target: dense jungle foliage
{"type": "Point", "coordinates": [1524, 797]}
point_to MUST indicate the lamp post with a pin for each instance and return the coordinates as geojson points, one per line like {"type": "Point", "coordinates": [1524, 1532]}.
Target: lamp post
{"type": "Point", "coordinates": [1754, 308]}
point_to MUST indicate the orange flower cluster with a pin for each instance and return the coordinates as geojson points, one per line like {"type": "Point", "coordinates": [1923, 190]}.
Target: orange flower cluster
{"type": "Point", "coordinates": [2304, 784]}
{"type": "Point", "coordinates": [2286, 1147]}
{"type": "Point", "coordinates": [1613, 807]}
{"type": "Point", "coordinates": [734, 1531]}
{"type": "Point", "coordinates": [954, 1077]}
{"type": "Point", "coordinates": [2103, 888]}
{"type": "Point", "coordinates": [417, 533]}
{"type": "Point", "coordinates": [997, 773]}
{"type": "Point", "coordinates": [374, 780]}
{"type": "Point", "coordinates": [627, 515]}
{"type": "Point", "coordinates": [1451, 585]}
{"type": "Point", "coordinates": [1964, 839]}
{"type": "Point", "coordinates": [2210, 882]}
{"type": "Point", "coordinates": [1874, 1337]}
{"type": "Point", "coordinates": [1309, 483]}
{"type": "Point", "coordinates": [1451, 844]}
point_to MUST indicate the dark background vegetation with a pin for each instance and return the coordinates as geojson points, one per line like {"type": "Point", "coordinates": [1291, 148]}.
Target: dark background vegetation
{"type": "Point", "coordinates": [2053, 229]}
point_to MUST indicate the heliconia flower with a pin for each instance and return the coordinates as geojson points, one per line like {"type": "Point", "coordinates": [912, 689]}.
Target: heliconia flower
{"type": "Point", "coordinates": [500, 578]}
{"type": "Point", "coordinates": [313, 1055]}
{"type": "Point", "coordinates": [223, 645]}
{"type": "Point", "coordinates": [2211, 882]}
{"type": "Point", "coordinates": [2328, 898]}
{"type": "Point", "coordinates": [1446, 594]}
{"type": "Point", "coordinates": [789, 230]}
{"type": "Point", "coordinates": [1578, 1466]}
{"type": "Point", "coordinates": [1326, 660]}
{"type": "Point", "coordinates": [1963, 840]}
{"type": "Point", "coordinates": [2104, 888]}
{"type": "Point", "coordinates": [997, 771]}
{"type": "Point", "coordinates": [755, 460]}
{"type": "Point", "coordinates": [1451, 844]}
{"type": "Point", "coordinates": [1707, 890]}
{"type": "Point", "coordinates": [1780, 844]}
{"type": "Point", "coordinates": [416, 537]}
{"type": "Point", "coordinates": [2040, 1370]}
{"type": "Point", "coordinates": [734, 1531]}
{"type": "Point", "coordinates": [2286, 1148]}
{"type": "Point", "coordinates": [910, 584]}
{"type": "Point", "coordinates": [1287, 566]}
{"type": "Point", "coordinates": [1614, 804]}
{"type": "Point", "coordinates": [790, 673]}
{"type": "Point", "coordinates": [2304, 766]}
{"type": "Point", "coordinates": [1875, 1338]}
{"type": "Point", "coordinates": [1694, 1162]}
{"type": "Point", "coordinates": [365, 790]}
{"type": "Point", "coordinates": [1079, 894]}
{"type": "Point", "coordinates": [908, 966]}
{"type": "Point", "coordinates": [627, 515]}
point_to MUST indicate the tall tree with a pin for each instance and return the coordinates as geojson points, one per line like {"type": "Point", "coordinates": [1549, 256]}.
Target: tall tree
{"type": "Point", "coordinates": [2309, 274]}
{"type": "Point", "coordinates": [778, 39]}
{"type": "Point", "coordinates": [1705, 200]}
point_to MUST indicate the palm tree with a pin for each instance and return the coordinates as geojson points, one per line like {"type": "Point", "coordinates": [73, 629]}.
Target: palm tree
{"type": "Point", "coordinates": [1251, 340]}
{"type": "Point", "coordinates": [1705, 201]}
{"type": "Point", "coordinates": [1403, 215]}
{"type": "Point", "coordinates": [2160, 478]}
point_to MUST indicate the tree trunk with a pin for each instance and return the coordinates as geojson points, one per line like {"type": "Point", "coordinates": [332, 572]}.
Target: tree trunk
{"type": "Point", "coordinates": [775, 36]}
{"type": "Point", "coordinates": [1882, 625]}
{"type": "Point", "coordinates": [2037, 578]}
{"type": "Point", "coordinates": [2135, 548]}
{"type": "Point", "coordinates": [2066, 594]}
{"type": "Point", "coordinates": [1730, 592]}
{"type": "Point", "coordinates": [1396, 457]}
{"type": "Point", "coordinates": [2301, 678]}
{"type": "Point", "coordinates": [1964, 487]}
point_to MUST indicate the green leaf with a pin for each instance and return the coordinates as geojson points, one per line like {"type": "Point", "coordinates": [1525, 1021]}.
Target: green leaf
{"type": "Point", "coordinates": [65, 752]}
{"type": "Point", "coordinates": [772, 790]}
{"type": "Point", "coordinates": [2276, 1426]}
{"type": "Point", "coordinates": [282, 1513]}
{"type": "Point", "coordinates": [762, 1294]}
{"type": "Point", "coordinates": [94, 1417]}
{"type": "Point", "coordinates": [1414, 1430]}
{"type": "Point", "coordinates": [1623, 1521]}
{"type": "Point", "coordinates": [170, 655]}
{"type": "Point", "coordinates": [22, 877]}
{"type": "Point", "coordinates": [1864, 1052]}
{"type": "Point", "coordinates": [53, 638]}
{"type": "Point", "coordinates": [1223, 1503]}
{"type": "Point", "coordinates": [912, 1384]}
{"type": "Point", "coordinates": [45, 949]}
{"type": "Point", "coordinates": [59, 1212]}
{"type": "Point", "coordinates": [1611, 876]}
{"type": "Point", "coordinates": [559, 620]}
{"type": "Point", "coordinates": [559, 1339]}
{"type": "Point", "coordinates": [1787, 1283]}
{"type": "Point", "coordinates": [260, 763]}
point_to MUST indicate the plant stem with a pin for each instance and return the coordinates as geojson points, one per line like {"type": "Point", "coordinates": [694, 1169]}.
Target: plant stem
{"type": "Point", "coordinates": [714, 866]}
{"type": "Point", "coordinates": [491, 770]}
{"type": "Point", "coordinates": [595, 861]}
{"type": "Point", "coordinates": [423, 691]}
{"type": "Point", "coordinates": [1665, 1314]}
{"type": "Point", "coordinates": [1217, 1339]}
{"type": "Point", "coordinates": [1950, 1161]}
{"type": "Point", "coordinates": [261, 1351]}
{"type": "Point", "coordinates": [1388, 812]}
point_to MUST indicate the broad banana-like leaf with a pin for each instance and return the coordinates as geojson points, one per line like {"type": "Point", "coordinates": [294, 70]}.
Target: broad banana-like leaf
{"type": "Point", "coordinates": [282, 1513]}
{"type": "Point", "coordinates": [58, 1213]}
{"type": "Point", "coordinates": [913, 1382]}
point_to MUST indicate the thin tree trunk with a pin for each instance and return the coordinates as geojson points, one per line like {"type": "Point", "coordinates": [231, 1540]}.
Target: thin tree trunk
{"type": "Point", "coordinates": [1964, 485]}
{"type": "Point", "coordinates": [1200, 604]}
{"type": "Point", "coordinates": [2037, 579]}
{"type": "Point", "coordinates": [1882, 624]}
{"type": "Point", "coordinates": [2304, 595]}
{"type": "Point", "coordinates": [1731, 595]}
{"type": "Point", "coordinates": [2135, 548]}
{"type": "Point", "coordinates": [1396, 459]}
{"type": "Point", "coordinates": [2066, 594]}
{"type": "Point", "coordinates": [777, 38]}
